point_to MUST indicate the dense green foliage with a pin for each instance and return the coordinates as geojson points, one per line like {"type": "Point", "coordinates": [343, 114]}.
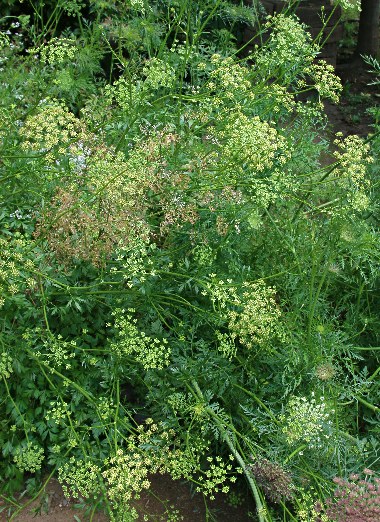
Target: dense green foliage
{"type": "Point", "coordinates": [189, 269]}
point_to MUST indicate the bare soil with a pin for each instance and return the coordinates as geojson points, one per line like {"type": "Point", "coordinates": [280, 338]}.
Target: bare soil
{"type": "Point", "coordinates": [351, 115]}
{"type": "Point", "coordinates": [166, 501]}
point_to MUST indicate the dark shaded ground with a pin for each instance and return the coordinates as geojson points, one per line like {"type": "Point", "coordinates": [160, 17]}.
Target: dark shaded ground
{"type": "Point", "coordinates": [351, 115]}
{"type": "Point", "coordinates": [166, 501]}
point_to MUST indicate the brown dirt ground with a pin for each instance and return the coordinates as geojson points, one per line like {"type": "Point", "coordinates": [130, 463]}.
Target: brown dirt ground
{"type": "Point", "coordinates": [164, 497]}
{"type": "Point", "coordinates": [350, 115]}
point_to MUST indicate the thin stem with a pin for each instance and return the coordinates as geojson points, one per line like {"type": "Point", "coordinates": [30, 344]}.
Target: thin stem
{"type": "Point", "coordinates": [261, 510]}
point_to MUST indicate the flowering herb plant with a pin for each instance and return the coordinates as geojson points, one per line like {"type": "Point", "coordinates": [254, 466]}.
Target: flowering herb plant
{"type": "Point", "coordinates": [187, 286]}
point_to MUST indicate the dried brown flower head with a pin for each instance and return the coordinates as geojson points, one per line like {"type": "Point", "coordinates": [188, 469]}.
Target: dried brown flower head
{"type": "Point", "coordinates": [325, 371]}
{"type": "Point", "coordinates": [274, 481]}
{"type": "Point", "coordinates": [354, 500]}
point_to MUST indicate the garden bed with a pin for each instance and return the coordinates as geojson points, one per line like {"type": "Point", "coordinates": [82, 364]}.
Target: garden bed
{"type": "Point", "coordinates": [165, 501]}
{"type": "Point", "coordinates": [189, 267]}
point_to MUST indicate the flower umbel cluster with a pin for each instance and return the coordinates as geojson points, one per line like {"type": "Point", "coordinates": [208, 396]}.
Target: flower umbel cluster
{"type": "Point", "coordinates": [228, 78]}
{"type": "Point", "coordinates": [258, 320]}
{"type": "Point", "coordinates": [29, 458]}
{"type": "Point", "coordinates": [289, 47]}
{"type": "Point", "coordinates": [79, 478]}
{"type": "Point", "coordinates": [151, 352]}
{"type": "Point", "coordinates": [252, 142]}
{"type": "Point", "coordinates": [148, 451]}
{"type": "Point", "coordinates": [58, 352]}
{"type": "Point", "coordinates": [57, 51]}
{"type": "Point", "coordinates": [353, 156]}
{"type": "Point", "coordinates": [214, 479]}
{"type": "Point", "coordinates": [325, 80]}
{"type": "Point", "coordinates": [250, 148]}
{"type": "Point", "coordinates": [102, 209]}
{"type": "Point", "coordinates": [354, 500]}
{"type": "Point", "coordinates": [135, 261]}
{"type": "Point", "coordinates": [123, 93]}
{"type": "Point", "coordinates": [325, 371]}
{"type": "Point", "coordinates": [350, 4]}
{"type": "Point", "coordinates": [272, 479]}
{"type": "Point", "coordinates": [5, 365]}
{"type": "Point", "coordinates": [126, 476]}
{"type": "Point", "coordinates": [137, 5]}
{"type": "Point", "coordinates": [52, 126]}
{"type": "Point", "coordinates": [158, 74]}
{"type": "Point", "coordinates": [58, 412]}
{"type": "Point", "coordinates": [252, 314]}
{"type": "Point", "coordinates": [15, 268]}
{"type": "Point", "coordinates": [306, 421]}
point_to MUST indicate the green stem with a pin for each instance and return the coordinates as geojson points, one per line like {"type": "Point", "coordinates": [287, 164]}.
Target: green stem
{"type": "Point", "coordinates": [365, 348]}
{"type": "Point", "coordinates": [295, 452]}
{"type": "Point", "coordinates": [314, 299]}
{"type": "Point", "coordinates": [260, 402]}
{"type": "Point", "coordinates": [16, 408]}
{"type": "Point", "coordinates": [21, 508]}
{"type": "Point", "coordinates": [367, 404]}
{"type": "Point", "coordinates": [116, 412]}
{"type": "Point", "coordinates": [261, 510]}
